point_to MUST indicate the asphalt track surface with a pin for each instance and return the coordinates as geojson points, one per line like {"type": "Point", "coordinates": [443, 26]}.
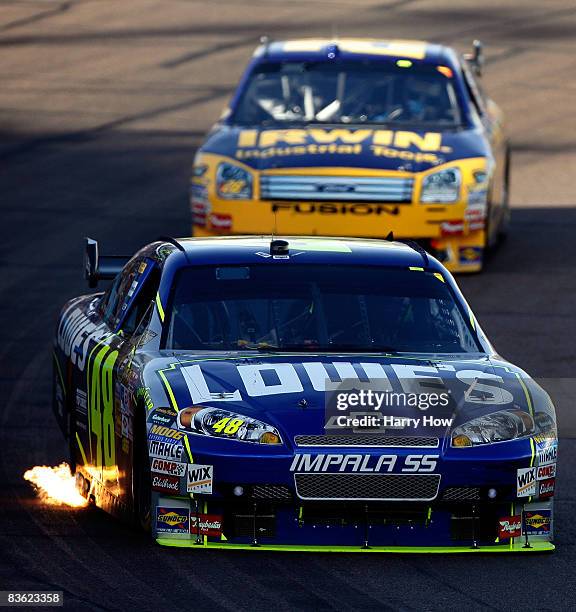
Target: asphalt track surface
{"type": "Point", "coordinates": [101, 106]}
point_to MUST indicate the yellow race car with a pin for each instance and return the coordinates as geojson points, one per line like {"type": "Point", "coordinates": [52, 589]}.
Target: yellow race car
{"type": "Point", "coordinates": [359, 138]}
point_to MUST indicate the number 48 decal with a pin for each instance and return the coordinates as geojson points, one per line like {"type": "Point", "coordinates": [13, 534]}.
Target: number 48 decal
{"type": "Point", "coordinates": [101, 406]}
{"type": "Point", "coordinates": [227, 425]}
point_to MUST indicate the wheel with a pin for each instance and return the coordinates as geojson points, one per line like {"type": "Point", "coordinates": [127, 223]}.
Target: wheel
{"type": "Point", "coordinates": [141, 480]}
{"type": "Point", "coordinates": [505, 219]}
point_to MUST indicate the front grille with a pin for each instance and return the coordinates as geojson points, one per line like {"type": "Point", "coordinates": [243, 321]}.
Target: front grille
{"type": "Point", "coordinates": [276, 492]}
{"type": "Point", "coordinates": [336, 188]}
{"type": "Point", "coordinates": [406, 487]}
{"type": "Point", "coordinates": [461, 494]}
{"type": "Point", "coordinates": [357, 440]}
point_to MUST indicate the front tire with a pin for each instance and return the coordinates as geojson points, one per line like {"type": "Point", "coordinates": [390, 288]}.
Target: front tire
{"type": "Point", "coordinates": [141, 480]}
{"type": "Point", "coordinates": [505, 219]}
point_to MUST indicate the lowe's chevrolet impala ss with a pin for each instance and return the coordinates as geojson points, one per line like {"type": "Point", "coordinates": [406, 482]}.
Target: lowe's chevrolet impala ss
{"type": "Point", "coordinates": [359, 138]}
{"type": "Point", "coordinates": [300, 394]}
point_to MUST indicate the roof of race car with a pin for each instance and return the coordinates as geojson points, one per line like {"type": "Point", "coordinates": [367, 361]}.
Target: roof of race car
{"type": "Point", "coordinates": [318, 250]}
{"type": "Point", "coordinates": [349, 48]}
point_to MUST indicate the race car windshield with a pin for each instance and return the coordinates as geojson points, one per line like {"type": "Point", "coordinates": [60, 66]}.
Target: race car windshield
{"type": "Point", "coordinates": [371, 92]}
{"type": "Point", "coordinates": [316, 308]}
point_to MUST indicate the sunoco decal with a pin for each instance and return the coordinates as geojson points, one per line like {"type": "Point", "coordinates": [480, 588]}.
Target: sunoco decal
{"type": "Point", "coordinates": [172, 520]}
{"type": "Point", "coordinates": [537, 522]}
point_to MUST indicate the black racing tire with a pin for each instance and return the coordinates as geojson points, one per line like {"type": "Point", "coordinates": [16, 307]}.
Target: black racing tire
{"type": "Point", "coordinates": [141, 479]}
{"type": "Point", "coordinates": [505, 219]}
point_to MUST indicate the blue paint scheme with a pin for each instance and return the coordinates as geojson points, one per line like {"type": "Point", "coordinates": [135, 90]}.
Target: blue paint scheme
{"type": "Point", "coordinates": [464, 143]}
{"type": "Point", "coordinates": [151, 368]}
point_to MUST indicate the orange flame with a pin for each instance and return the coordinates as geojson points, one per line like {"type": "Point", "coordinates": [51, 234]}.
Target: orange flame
{"type": "Point", "coordinates": [55, 485]}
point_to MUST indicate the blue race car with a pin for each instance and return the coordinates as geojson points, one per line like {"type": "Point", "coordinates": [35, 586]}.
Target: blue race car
{"type": "Point", "coordinates": [301, 394]}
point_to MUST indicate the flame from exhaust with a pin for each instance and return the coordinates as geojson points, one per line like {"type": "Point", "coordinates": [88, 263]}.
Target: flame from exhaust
{"type": "Point", "coordinates": [55, 485]}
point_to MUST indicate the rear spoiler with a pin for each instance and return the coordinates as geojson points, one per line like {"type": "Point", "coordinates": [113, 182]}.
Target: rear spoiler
{"type": "Point", "coordinates": [101, 267]}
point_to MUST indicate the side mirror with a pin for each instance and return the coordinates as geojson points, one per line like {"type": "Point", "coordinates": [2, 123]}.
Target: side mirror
{"type": "Point", "coordinates": [91, 262]}
{"type": "Point", "coordinates": [476, 58]}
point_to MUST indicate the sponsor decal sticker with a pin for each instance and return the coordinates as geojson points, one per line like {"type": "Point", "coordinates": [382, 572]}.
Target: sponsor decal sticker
{"type": "Point", "coordinates": [165, 483]}
{"type": "Point", "coordinates": [165, 450]}
{"type": "Point", "coordinates": [509, 527]}
{"type": "Point", "coordinates": [547, 448]}
{"type": "Point", "coordinates": [206, 524]}
{"type": "Point", "coordinates": [161, 419]}
{"type": "Point", "coordinates": [172, 520]}
{"type": "Point", "coordinates": [546, 488]}
{"type": "Point", "coordinates": [163, 466]}
{"type": "Point", "coordinates": [199, 478]}
{"type": "Point", "coordinates": [220, 222]}
{"type": "Point", "coordinates": [537, 522]}
{"type": "Point", "coordinates": [546, 471]}
{"type": "Point", "coordinates": [526, 482]}
{"type": "Point", "coordinates": [470, 255]}
{"type": "Point", "coordinates": [165, 432]}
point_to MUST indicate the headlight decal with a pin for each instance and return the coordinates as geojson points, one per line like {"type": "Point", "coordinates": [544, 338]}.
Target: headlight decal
{"type": "Point", "coordinates": [219, 423]}
{"type": "Point", "coordinates": [233, 182]}
{"type": "Point", "coordinates": [494, 427]}
{"type": "Point", "coordinates": [442, 187]}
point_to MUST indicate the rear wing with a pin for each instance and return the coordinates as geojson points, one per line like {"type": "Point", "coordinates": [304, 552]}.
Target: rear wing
{"type": "Point", "coordinates": [101, 267]}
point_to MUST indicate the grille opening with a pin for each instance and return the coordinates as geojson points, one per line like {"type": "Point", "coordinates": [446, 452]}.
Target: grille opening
{"type": "Point", "coordinates": [461, 494]}
{"type": "Point", "coordinates": [244, 525]}
{"type": "Point", "coordinates": [354, 513]}
{"type": "Point", "coordinates": [345, 486]}
{"type": "Point", "coordinates": [375, 440]}
{"type": "Point", "coordinates": [483, 527]}
{"type": "Point", "coordinates": [359, 189]}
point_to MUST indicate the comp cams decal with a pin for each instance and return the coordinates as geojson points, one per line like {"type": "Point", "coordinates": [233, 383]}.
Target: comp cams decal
{"type": "Point", "coordinates": [172, 468]}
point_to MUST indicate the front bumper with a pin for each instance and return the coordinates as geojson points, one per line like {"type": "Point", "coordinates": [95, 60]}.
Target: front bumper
{"type": "Point", "coordinates": [364, 528]}
{"type": "Point", "coordinates": [256, 503]}
{"type": "Point", "coordinates": [455, 232]}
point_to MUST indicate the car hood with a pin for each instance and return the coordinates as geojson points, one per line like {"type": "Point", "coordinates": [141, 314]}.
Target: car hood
{"type": "Point", "coordinates": [362, 147]}
{"type": "Point", "coordinates": [289, 391]}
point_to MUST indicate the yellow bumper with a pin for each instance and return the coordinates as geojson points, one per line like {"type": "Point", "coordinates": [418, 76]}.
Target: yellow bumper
{"type": "Point", "coordinates": [447, 230]}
